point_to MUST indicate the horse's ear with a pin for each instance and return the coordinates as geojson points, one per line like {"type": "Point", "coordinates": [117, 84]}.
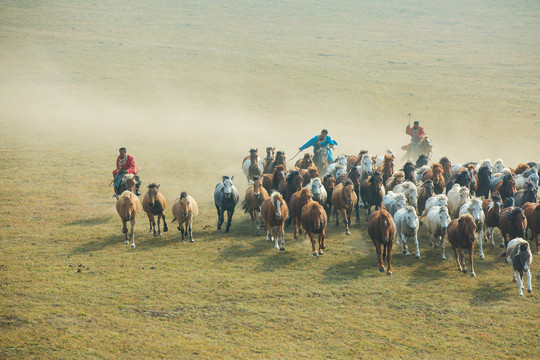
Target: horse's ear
{"type": "Point", "coordinates": [157, 187]}
{"type": "Point", "coordinates": [232, 177]}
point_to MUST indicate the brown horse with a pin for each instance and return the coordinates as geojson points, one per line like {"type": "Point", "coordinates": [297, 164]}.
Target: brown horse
{"type": "Point", "coordinates": [304, 162]}
{"type": "Point", "coordinates": [154, 204]}
{"type": "Point", "coordinates": [344, 199]}
{"type": "Point", "coordinates": [354, 175]}
{"type": "Point", "coordinates": [353, 160]}
{"type": "Point", "coordinates": [128, 206]}
{"type": "Point", "coordinates": [309, 173]}
{"type": "Point", "coordinates": [274, 211]}
{"type": "Point", "coordinates": [314, 220]}
{"type": "Point", "coordinates": [435, 174]}
{"type": "Point", "coordinates": [425, 191]}
{"type": "Point", "coordinates": [329, 183]}
{"type": "Point", "coordinates": [396, 179]}
{"type": "Point", "coordinates": [255, 195]}
{"type": "Point", "coordinates": [532, 213]}
{"type": "Point", "coordinates": [520, 169]}
{"type": "Point", "coordinates": [252, 165]}
{"type": "Point", "coordinates": [271, 181]}
{"type": "Point", "coordinates": [280, 160]}
{"type": "Point", "coordinates": [461, 234]}
{"type": "Point", "coordinates": [387, 167]}
{"type": "Point", "coordinates": [506, 188]}
{"type": "Point", "coordinates": [512, 224]}
{"type": "Point", "coordinates": [268, 160]}
{"type": "Point", "coordinates": [371, 192]}
{"type": "Point", "coordinates": [382, 229]}
{"type": "Point", "coordinates": [298, 200]}
{"type": "Point", "coordinates": [292, 183]}
{"type": "Point", "coordinates": [447, 168]}
{"type": "Point", "coordinates": [185, 209]}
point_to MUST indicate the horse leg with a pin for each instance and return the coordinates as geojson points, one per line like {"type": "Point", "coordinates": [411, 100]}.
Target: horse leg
{"type": "Point", "coordinates": [443, 246]}
{"type": "Point", "coordinates": [417, 246]}
{"type": "Point", "coordinates": [125, 231]}
{"type": "Point", "coordinates": [389, 257]}
{"type": "Point", "coordinates": [462, 257]}
{"type": "Point", "coordinates": [150, 218]}
{"type": "Point", "coordinates": [379, 256]}
{"type": "Point", "coordinates": [404, 248]}
{"type": "Point", "coordinates": [230, 214]}
{"type": "Point", "coordinates": [480, 242]}
{"type": "Point", "coordinates": [276, 238]}
{"type": "Point", "coordinates": [268, 233]}
{"type": "Point", "coordinates": [337, 216]}
{"type": "Point", "coordinates": [430, 239]}
{"type": "Point", "coordinates": [517, 275]}
{"type": "Point", "coordinates": [529, 285]}
{"type": "Point", "coordinates": [457, 258]}
{"type": "Point", "coordinates": [471, 251]}
{"type": "Point", "coordinates": [181, 228]}
{"type": "Point", "coordinates": [345, 221]}
{"type": "Point", "coordinates": [165, 228]}
{"type": "Point", "coordinates": [190, 229]}
{"type": "Point", "coordinates": [322, 246]}
{"type": "Point", "coordinates": [312, 238]}
{"type": "Point", "coordinates": [131, 232]}
{"type": "Point", "coordinates": [296, 227]}
{"type": "Point", "coordinates": [220, 217]}
{"type": "Point", "coordinates": [158, 225]}
{"type": "Point", "coordinates": [282, 230]}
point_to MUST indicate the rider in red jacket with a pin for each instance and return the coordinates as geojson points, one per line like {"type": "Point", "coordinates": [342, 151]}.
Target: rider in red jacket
{"type": "Point", "coordinates": [417, 133]}
{"type": "Point", "coordinates": [125, 163]}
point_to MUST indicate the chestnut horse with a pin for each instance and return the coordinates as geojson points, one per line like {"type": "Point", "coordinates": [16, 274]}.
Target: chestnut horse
{"type": "Point", "coordinates": [506, 188]}
{"type": "Point", "coordinates": [128, 206]}
{"type": "Point", "coordinates": [512, 224]}
{"type": "Point", "coordinates": [298, 200]}
{"type": "Point", "coordinates": [329, 183]}
{"type": "Point", "coordinates": [387, 167]}
{"type": "Point", "coordinates": [255, 195]}
{"type": "Point", "coordinates": [309, 173]}
{"type": "Point", "coordinates": [435, 174]}
{"type": "Point", "coordinates": [532, 213]}
{"type": "Point", "coordinates": [154, 204]}
{"type": "Point", "coordinates": [304, 162]}
{"type": "Point", "coordinates": [492, 209]}
{"type": "Point", "coordinates": [461, 234]}
{"type": "Point", "coordinates": [344, 199]}
{"type": "Point", "coordinates": [274, 211]}
{"type": "Point", "coordinates": [252, 165]}
{"type": "Point", "coordinates": [447, 168]}
{"type": "Point", "coordinates": [314, 220]}
{"type": "Point", "coordinates": [354, 160]}
{"type": "Point", "coordinates": [382, 229]}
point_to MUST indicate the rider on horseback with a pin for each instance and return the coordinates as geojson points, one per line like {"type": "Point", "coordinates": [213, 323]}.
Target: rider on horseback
{"type": "Point", "coordinates": [321, 141]}
{"type": "Point", "coordinates": [417, 133]}
{"type": "Point", "coordinates": [125, 165]}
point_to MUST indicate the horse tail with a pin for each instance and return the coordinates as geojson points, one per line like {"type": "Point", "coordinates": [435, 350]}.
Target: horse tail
{"type": "Point", "coordinates": [173, 220]}
{"type": "Point", "coordinates": [244, 207]}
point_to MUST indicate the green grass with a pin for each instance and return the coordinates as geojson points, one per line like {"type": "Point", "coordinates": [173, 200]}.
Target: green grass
{"type": "Point", "coordinates": [70, 287]}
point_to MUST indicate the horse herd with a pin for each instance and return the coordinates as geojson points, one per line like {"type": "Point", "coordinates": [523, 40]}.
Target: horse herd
{"type": "Point", "coordinates": [463, 202]}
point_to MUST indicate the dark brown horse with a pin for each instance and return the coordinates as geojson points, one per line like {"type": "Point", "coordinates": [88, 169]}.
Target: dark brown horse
{"type": "Point", "coordinates": [353, 160]}
{"type": "Point", "coordinates": [447, 168]}
{"type": "Point", "coordinates": [154, 204]}
{"type": "Point", "coordinates": [343, 200]}
{"type": "Point", "coordinates": [314, 220]}
{"type": "Point", "coordinates": [435, 174]}
{"type": "Point", "coordinates": [408, 170]}
{"type": "Point", "coordinates": [304, 162]}
{"type": "Point", "coordinates": [371, 192]}
{"type": "Point", "coordinates": [329, 183]}
{"type": "Point", "coordinates": [292, 183]}
{"type": "Point", "coordinates": [492, 209]}
{"type": "Point", "coordinates": [274, 211]}
{"type": "Point", "coordinates": [506, 188]}
{"type": "Point", "coordinates": [298, 200]}
{"type": "Point", "coordinates": [471, 170]}
{"type": "Point", "coordinates": [354, 176]}
{"type": "Point", "coordinates": [280, 160]}
{"type": "Point", "coordinates": [309, 173]}
{"type": "Point", "coordinates": [425, 191]}
{"type": "Point", "coordinates": [461, 234]}
{"type": "Point", "coordinates": [381, 229]}
{"type": "Point", "coordinates": [271, 182]}
{"type": "Point", "coordinates": [512, 224]}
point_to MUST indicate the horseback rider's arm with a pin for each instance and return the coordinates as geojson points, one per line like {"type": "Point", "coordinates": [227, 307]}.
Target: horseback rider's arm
{"type": "Point", "coordinates": [311, 142]}
{"type": "Point", "coordinates": [408, 130]}
{"type": "Point", "coordinates": [330, 141]}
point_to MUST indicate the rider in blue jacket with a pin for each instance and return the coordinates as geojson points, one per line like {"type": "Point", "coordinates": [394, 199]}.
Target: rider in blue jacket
{"type": "Point", "coordinates": [321, 141]}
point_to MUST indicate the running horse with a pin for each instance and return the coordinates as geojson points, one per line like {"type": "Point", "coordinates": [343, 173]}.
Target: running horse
{"type": "Point", "coordinates": [424, 147]}
{"type": "Point", "coordinates": [382, 229]}
{"type": "Point", "coordinates": [304, 162]}
{"type": "Point", "coordinates": [268, 160]}
{"type": "Point", "coordinates": [252, 165]}
{"type": "Point", "coordinates": [274, 211]}
{"type": "Point", "coordinates": [271, 181]}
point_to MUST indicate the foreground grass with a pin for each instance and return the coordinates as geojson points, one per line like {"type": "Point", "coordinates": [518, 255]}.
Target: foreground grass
{"type": "Point", "coordinates": [70, 288]}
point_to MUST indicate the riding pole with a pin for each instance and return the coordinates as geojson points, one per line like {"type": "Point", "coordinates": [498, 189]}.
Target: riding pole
{"type": "Point", "coordinates": [294, 156]}
{"type": "Point", "coordinates": [409, 119]}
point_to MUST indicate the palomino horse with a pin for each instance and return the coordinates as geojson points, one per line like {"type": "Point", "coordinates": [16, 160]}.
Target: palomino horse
{"type": "Point", "coordinates": [382, 229]}
{"type": "Point", "coordinates": [128, 206]}
{"type": "Point", "coordinates": [372, 192]}
{"type": "Point", "coordinates": [274, 212]}
{"type": "Point", "coordinates": [314, 220]}
{"type": "Point", "coordinates": [268, 160]}
{"type": "Point", "coordinates": [185, 209]}
{"type": "Point", "coordinates": [304, 162]}
{"type": "Point", "coordinates": [298, 200]}
{"type": "Point", "coordinates": [255, 195]}
{"type": "Point", "coordinates": [344, 199]}
{"type": "Point", "coordinates": [461, 234]}
{"type": "Point", "coordinates": [271, 181]}
{"type": "Point", "coordinates": [252, 165]}
{"type": "Point", "coordinates": [225, 198]}
{"type": "Point", "coordinates": [424, 147]}
{"type": "Point", "coordinates": [154, 204]}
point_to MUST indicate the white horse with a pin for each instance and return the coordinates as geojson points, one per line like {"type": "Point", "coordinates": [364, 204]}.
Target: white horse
{"type": "Point", "coordinates": [317, 189]}
{"type": "Point", "coordinates": [437, 200]}
{"type": "Point", "coordinates": [457, 196]}
{"type": "Point", "coordinates": [393, 202]}
{"type": "Point", "coordinates": [419, 173]}
{"type": "Point", "coordinates": [366, 167]}
{"type": "Point", "coordinates": [333, 169]}
{"type": "Point", "coordinates": [474, 207]}
{"type": "Point", "coordinates": [498, 166]}
{"type": "Point", "coordinates": [407, 226]}
{"type": "Point", "coordinates": [340, 161]}
{"type": "Point", "coordinates": [252, 165]}
{"type": "Point", "coordinates": [437, 221]}
{"type": "Point", "coordinates": [410, 191]}
{"type": "Point", "coordinates": [529, 175]}
{"type": "Point", "coordinates": [518, 254]}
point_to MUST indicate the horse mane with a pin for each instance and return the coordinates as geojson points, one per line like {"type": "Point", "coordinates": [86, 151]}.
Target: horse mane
{"type": "Point", "coordinates": [152, 186]}
{"type": "Point", "coordinates": [183, 195]}
{"type": "Point", "coordinates": [348, 182]}
{"type": "Point", "coordinates": [327, 176]}
{"type": "Point", "coordinates": [252, 150]}
{"type": "Point", "coordinates": [443, 160]}
{"type": "Point", "coordinates": [225, 177]}
{"type": "Point", "coordinates": [291, 175]}
{"type": "Point", "coordinates": [495, 197]}
{"type": "Point", "coordinates": [274, 195]}
{"type": "Point", "coordinates": [256, 177]}
{"type": "Point", "coordinates": [512, 214]}
{"type": "Point", "coordinates": [485, 162]}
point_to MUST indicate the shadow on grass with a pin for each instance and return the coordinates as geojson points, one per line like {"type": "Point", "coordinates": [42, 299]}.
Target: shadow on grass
{"type": "Point", "coordinates": [363, 267]}
{"type": "Point", "coordinates": [99, 244]}
{"type": "Point", "coordinates": [277, 260]}
{"type": "Point", "coordinates": [98, 220]}
{"type": "Point", "coordinates": [243, 250]}
{"type": "Point", "coordinates": [143, 242]}
{"type": "Point", "coordinates": [488, 293]}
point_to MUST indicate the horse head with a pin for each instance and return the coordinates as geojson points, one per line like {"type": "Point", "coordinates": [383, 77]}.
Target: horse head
{"type": "Point", "coordinates": [228, 186]}
{"type": "Point", "coordinates": [444, 217]}
{"type": "Point", "coordinates": [408, 170]}
{"type": "Point", "coordinates": [185, 204]}
{"type": "Point", "coordinates": [270, 153]}
{"type": "Point", "coordinates": [385, 225]}
{"type": "Point", "coordinates": [467, 227]}
{"type": "Point", "coordinates": [305, 196]}
{"type": "Point", "coordinates": [348, 191]}
{"type": "Point", "coordinates": [257, 186]}
{"type": "Point", "coordinates": [153, 189]}
{"type": "Point", "coordinates": [277, 204]}
{"type": "Point", "coordinates": [354, 175]}
{"type": "Point", "coordinates": [367, 164]}
{"type": "Point", "coordinates": [376, 179]}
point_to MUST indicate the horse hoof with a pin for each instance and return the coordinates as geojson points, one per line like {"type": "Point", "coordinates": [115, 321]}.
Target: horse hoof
{"type": "Point", "coordinates": [320, 252]}
{"type": "Point", "coordinates": [389, 273]}
{"type": "Point", "coordinates": [418, 257]}
{"type": "Point", "coordinates": [191, 240]}
{"type": "Point", "coordinates": [282, 249]}
{"type": "Point", "coordinates": [132, 245]}
{"type": "Point", "coordinates": [165, 229]}
{"type": "Point", "coordinates": [126, 242]}
{"type": "Point", "coordinates": [347, 232]}
{"type": "Point", "coordinates": [226, 231]}
{"type": "Point", "coordinates": [381, 269]}
{"type": "Point", "coordinates": [473, 275]}
{"type": "Point", "coordinates": [180, 229]}
{"type": "Point", "coordinates": [482, 256]}
{"type": "Point", "coordinates": [529, 291]}
{"type": "Point", "coordinates": [315, 254]}
{"type": "Point", "coordinates": [501, 246]}
{"type": "Point", "coordinates": [464, 271]}
{"type": "Point", "coordinates": [155, 234]}
{"type": "Point", "coordinates": [444, 257]}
